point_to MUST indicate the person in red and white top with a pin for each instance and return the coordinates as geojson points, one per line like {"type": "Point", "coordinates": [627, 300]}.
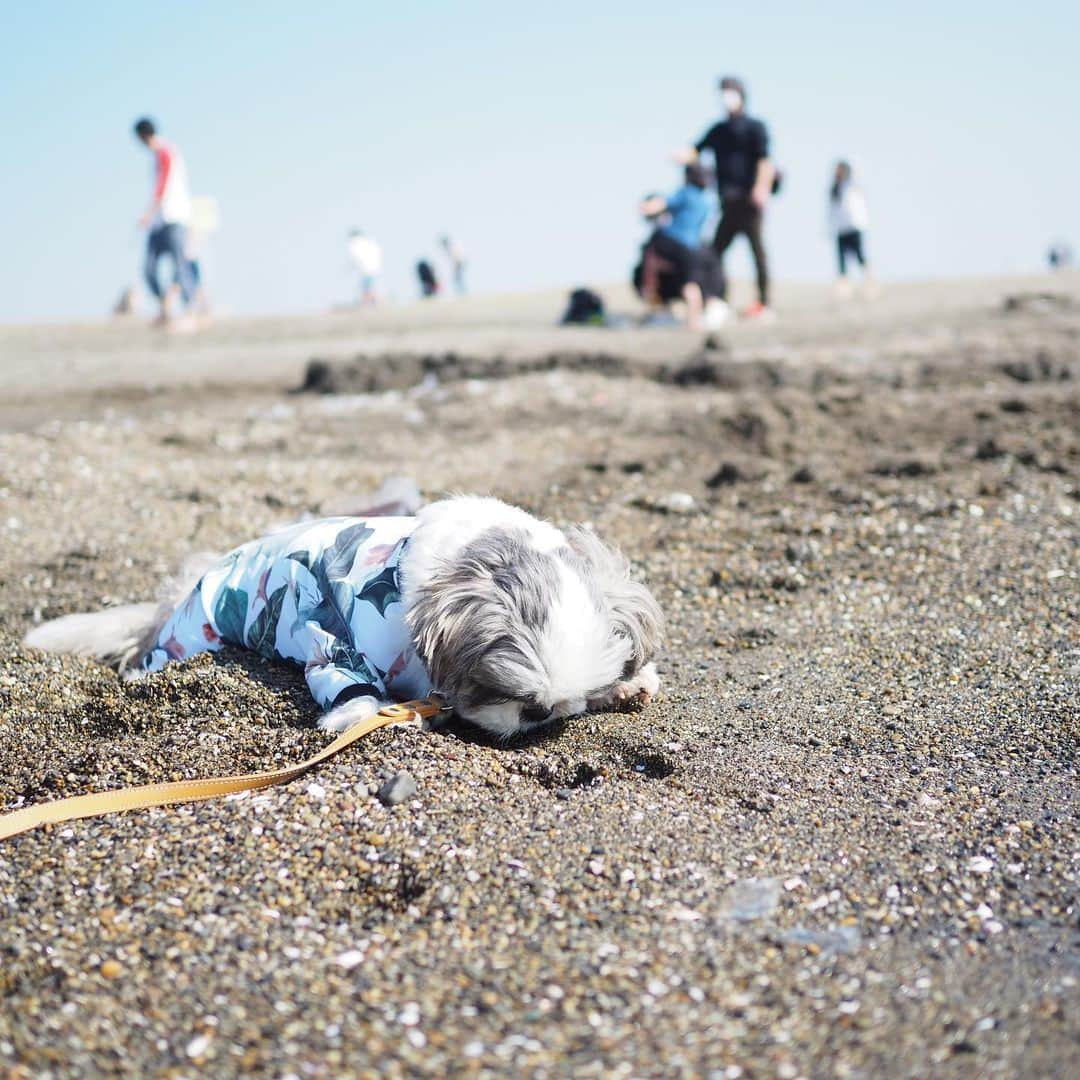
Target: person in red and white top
{"type": "Point", "coordinates": [166, 220]}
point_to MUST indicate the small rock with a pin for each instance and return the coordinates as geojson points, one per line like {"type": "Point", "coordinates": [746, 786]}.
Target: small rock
{"type": "Point", "coordinates": [349, 959]}
{"type": "Point", "coordinates": [112, 969]}
{"type": "Point", "coordinates": [980, 864]}
{"type": "Point", "coordinates": [398, 789]}
{"type": "Point", "coordinates": [728, 473]}
{"type": "Point", "coordinates": [675, 502]}
{"type": "Point", "coordinates": [563, 793]}
{"type": "Point", "coordinates": [679, 502]}
{"type": "Point", "coordinates": [838, 939]}
{"type": "Point", "coordinates": [803, 475]}
{"type": "Point", "coordinates": [750, 899]}
{"type": "Point", "coordinates": [198, 1046]}
{"type": "Point", "coordinates": [903, 468]}
{"type": "Point", "coordinates": [802, 551]}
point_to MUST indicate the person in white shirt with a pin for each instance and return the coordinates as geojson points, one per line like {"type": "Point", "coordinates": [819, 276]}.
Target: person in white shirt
{"type": "Point", "coordinates": [166, 220]}
{"type": "Point", "coordinates": [456, 257]}
{"type": "Point", "coordinates": [848, 222]}
{"type": "Point", "coordinates": [366, 258]}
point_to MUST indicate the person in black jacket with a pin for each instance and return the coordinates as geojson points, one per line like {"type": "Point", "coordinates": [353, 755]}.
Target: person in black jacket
{"type": "Point", "coordinates": [739, 145]}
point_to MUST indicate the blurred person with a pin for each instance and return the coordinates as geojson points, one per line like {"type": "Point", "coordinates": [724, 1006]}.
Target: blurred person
{"type": "Point", "coordinates": [165, 221]}
{"type": "Point", "coordinates": [126, 303]}
{"type": "Point", "coordinates": [457, 263]}
{"type": "Point", "coordinates": [1059, 256]}
{"type": "Point", "coordinates": [365, 254]}
{"type": "Point", "coordinates": [848, 222]}
{"type": "Point", "coordinates": [745, 178]}
{"type": "Point", "coordinates": [205, 218]}
{"type": "Point", "coordinates": [674, 249]}
{"type": "Point", "coordinates": [429, 283]}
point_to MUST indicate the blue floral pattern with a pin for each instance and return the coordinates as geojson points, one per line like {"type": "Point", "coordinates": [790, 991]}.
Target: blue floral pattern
{"type": "Point", "coordinates": [324, 594]}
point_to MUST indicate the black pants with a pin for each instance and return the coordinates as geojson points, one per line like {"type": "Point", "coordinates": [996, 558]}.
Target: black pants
{"type": "Point", "coordinates": [742, 215]}
{"type": "Point", "coordinates": [849, 243]}
{"type": "Point", "coordinates": [677, 266]}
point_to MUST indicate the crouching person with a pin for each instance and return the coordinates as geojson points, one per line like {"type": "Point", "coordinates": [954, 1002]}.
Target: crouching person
{"type": "Point", "coordinates": [673, 265]}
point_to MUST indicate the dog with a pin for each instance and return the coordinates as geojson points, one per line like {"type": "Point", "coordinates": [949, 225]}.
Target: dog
{"type": "Point", "coordinates": [513, 621]}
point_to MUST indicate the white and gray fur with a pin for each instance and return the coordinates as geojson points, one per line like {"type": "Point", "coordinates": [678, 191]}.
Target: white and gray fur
{"type": "Point", "coordinates": [518, 623]}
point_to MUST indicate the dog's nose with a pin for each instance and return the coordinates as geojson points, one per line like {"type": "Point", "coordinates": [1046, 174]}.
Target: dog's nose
{"type": "Point", "coordinates": [534, 714]}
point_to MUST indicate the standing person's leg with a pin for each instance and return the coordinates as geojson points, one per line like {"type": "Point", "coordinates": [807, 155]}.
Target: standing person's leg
{"type": "Point", "coordinates": [726, 231]}
{"type": "Point", "coordinates": [847, 244]}
{"type": "Point", "coordinates": [841, 254]}
{"type": "Point", "coordinates": [869, 285]}
{"type": "Point", "coordinates": [150, 266]}
{"type": "Point", "coordinates": [755, 219]}
{"type": "Point", "coordinates": [182, 275]}
{"type": "Point", "coordinates": [857, 248]}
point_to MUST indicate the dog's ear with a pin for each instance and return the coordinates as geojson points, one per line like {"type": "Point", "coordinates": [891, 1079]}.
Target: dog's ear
{"type": "Point", "coordinates": [633, 609]}
{"type": "Point", "coordinates": [442, 619]}
{"type": "Point", "coordinates": [462, 614]}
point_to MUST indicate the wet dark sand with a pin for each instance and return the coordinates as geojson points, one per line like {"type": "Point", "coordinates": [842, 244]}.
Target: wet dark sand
{"type": "Point", "coordinates": [844, 842]}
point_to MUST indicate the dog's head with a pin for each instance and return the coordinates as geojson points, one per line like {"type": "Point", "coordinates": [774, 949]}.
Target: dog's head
{"type": "Point", "coordinates": [517, 637]}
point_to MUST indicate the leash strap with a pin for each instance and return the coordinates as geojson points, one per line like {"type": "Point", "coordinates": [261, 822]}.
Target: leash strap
{"type": "Point", "coordinates": [181, 791]}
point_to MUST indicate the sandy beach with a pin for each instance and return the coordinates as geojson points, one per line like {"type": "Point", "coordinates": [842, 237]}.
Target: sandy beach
{"type": "Point", "coordinates": [844, 840]}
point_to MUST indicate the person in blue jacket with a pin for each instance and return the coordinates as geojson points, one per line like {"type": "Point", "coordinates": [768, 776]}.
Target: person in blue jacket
{"type": "Point", "coordinates": [673, 261]}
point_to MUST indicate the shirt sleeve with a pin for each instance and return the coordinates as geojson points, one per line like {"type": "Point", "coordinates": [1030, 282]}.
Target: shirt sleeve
{"type": "Point", "coordinates": [164, 167]}
{"type": "Point", "coordinates": [333, 684]}
{"type": "Point", "coordinates": [335, 667]}
{"type": "Point", "coordinates": [761, 141]}
{"type": "Point", "coordinates": [706, 140]}
{"type": "Point", "coordinates": [676, 201]}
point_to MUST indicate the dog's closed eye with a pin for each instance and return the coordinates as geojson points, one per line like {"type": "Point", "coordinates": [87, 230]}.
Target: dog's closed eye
{"type": "Point", "coordinates": [486, 695]}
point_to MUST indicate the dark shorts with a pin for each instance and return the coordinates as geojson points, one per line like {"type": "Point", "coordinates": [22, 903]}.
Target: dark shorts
{"type": "Point", "coordinates": [678, 266]}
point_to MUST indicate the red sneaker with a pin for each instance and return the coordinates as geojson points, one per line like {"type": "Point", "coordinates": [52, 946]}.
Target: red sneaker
{"type": "Point", "coordinates": [757, 310]}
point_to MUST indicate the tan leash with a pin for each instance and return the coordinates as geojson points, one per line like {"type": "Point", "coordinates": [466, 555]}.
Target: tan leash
{"type": "Point", "coordinates": [180, 791]}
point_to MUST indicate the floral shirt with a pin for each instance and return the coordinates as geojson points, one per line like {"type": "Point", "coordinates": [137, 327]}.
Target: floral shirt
{"type": "Point", "coordinates": [322, 593]}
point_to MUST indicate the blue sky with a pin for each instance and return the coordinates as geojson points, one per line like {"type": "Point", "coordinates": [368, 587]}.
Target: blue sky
{"type": "Point", "coordinates": [527, 131]}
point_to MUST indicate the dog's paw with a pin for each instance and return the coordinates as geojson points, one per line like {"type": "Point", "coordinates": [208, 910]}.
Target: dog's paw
{"type": "Point", "coordinates": [631, 693]}
{"type": "Point", "coordinates": [342, 717]}
{"type": "Point", "coordinates": [648, 681]}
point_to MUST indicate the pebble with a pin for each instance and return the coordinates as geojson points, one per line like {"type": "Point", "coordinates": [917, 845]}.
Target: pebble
{"type": "Point", "coordinates": [750, 899]}
{"type": "Point", "coordinates": [350, 958]}
{"type": "Point", "coordinates": [398, 789]}
{"type": "Point", "coordinates": [198, 1046]}
{"type": "Point", "coordinates": [835, 939]}
{"type": "Point", "coordinates": [678, 502]}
